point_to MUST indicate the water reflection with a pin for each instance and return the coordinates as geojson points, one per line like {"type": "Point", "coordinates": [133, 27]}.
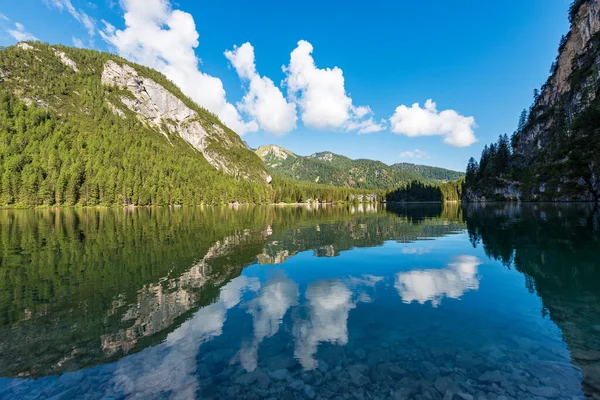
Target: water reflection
{"type": "Point", "coordinates": [125, 278]}
{"type": "Point", "coordinates": [268, 309]}
{"type": "Point", "coordinates": [171, 367]}
{"type": "Point", "coordinates": [556, 248]}
{"type": "Point", "coordinates": [434, 284]}
{"type": "Point", "coordinates": [301, 302]}
{"type": "Point", "coordinates": [328, 306]}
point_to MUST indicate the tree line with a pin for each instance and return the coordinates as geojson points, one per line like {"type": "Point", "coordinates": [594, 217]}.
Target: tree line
{"type": "Point", "coordinates": [420, 191]}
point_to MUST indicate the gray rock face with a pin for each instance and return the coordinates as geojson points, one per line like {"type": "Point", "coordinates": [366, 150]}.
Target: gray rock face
{"type": "Point", "coordinates": [24, 46]}
{"type": "Point", "coordinates": [64, 59]}
{"type": "Point", "coordinates": [157, 107]}
{"type": "Point", "coordinates": [578, 52]}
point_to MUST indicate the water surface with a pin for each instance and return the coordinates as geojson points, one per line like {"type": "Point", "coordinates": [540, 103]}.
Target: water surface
{"type": "Point", "coordinates": [423, 302]}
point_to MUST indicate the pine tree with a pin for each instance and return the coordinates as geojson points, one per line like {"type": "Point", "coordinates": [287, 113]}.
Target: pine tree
{"type": "Point", "coordinates": [472, 171]}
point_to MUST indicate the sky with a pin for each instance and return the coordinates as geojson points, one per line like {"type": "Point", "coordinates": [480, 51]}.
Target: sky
{"type": "Point", "coordinates": [427, 82]}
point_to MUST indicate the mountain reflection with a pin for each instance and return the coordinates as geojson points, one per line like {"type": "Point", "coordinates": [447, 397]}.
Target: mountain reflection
{"type": "Point", "coordinates": [211, 302]}
{"type": "Point", "coordinates": [171, 367]}
{"type": "Point", "coordinates": [434, 284]}
{"type": "Point", "coordinates": [556, 247]}
{"type": "Point", "coordinates": [83, 287]}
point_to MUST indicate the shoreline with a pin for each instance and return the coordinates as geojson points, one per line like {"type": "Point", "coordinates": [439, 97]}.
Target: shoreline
{"type": "Point", "coordinates": [233, 205]}
{"type": "Point", "coordinates": [230, 205]}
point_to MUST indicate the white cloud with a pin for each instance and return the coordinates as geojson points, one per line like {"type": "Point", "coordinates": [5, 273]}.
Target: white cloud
{"type": "Point", "coordinates": [4, 17]}
{"type": "Point", "coordinates": [322, 96]}
{"type": "Point", "coordinates": [164, 39]}
{"type": "Point", "coordinates": [367, 125]}
{"type": "Point", "coordinates": [416, 153]}
{"type": "Point", "coordinates": [77, 42]}
{"type": "Point", "coordinates": [20, 34]}
{"type": "Point", "coordinates": [435, 284]}
{"type": "Point", "coordinates": [416, 121]}
{"type": "Point", "coordinates": [263, 101]}
{"type": "Point", "coordinates": [79, 15]}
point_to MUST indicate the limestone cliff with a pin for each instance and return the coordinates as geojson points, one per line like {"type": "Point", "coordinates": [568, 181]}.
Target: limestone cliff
{"type": "Point", "coordinates": [155, 105]}
{"type": "Point", "coordinates": [556, 150]}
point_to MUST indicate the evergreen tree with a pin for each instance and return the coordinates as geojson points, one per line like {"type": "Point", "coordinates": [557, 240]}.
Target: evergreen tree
{"type": "Point", "coordinates": [472, 171]}
{"type": "Point", "coordinates": [502, 154]}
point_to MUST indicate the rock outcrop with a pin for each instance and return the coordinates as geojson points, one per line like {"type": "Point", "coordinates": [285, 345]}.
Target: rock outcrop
{"type": "Point", "coordinates": [64, 59]}
{"type": "Point", "coordinates": [154, 105]}
{"type": "Point", "coordinates": [555, 154]}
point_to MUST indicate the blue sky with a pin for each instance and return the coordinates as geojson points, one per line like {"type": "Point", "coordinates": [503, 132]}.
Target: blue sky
{"type": "Point", "coordinates": [479, 60]}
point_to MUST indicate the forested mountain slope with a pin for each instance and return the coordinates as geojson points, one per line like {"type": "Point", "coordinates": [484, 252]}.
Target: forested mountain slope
{"type": "Point", "coordinates": [84, 127]}
{"type": "Point", "coordinates": [333, 169]}
{"type": "Point", "coordinates": [554, 155]}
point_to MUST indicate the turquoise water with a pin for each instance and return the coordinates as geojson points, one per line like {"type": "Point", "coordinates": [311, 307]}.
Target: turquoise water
{"type": "Point", "coordinates": [417, 302]}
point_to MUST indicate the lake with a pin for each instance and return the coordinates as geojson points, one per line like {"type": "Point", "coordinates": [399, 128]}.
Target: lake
{"type": "Point", "coordinates": [332, 302]}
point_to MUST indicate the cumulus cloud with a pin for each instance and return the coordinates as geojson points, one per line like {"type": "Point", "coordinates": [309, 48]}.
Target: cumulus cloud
{"type": "Point", "coordinates": [321, 95]}
{"type": "Point", "coordinates": [20, 34]}
{"type": "Point", "coordinates": [263, 101]}
{"type": "Point", "coordinates": [435, 284]}
{"type": "Point", "coordinates": [77, 42]}
{"type": "Point", "coordinates": [428, 121]}
{"type": "Point", "coordinates": [164, 39]}
{"type": "Point", "coordinates": [416, 153]}
{"type": "Point", "coordinates": [78, 14]}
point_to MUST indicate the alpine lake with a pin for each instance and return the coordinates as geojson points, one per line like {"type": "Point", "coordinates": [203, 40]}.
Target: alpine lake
{"type": "Point", "coordinates": [311, 302]}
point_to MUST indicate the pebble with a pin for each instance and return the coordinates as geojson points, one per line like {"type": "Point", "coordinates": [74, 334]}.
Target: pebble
{"type": "Point", "coordinates": [544, 391]}
{"type": "Point", "coordinates": [356, 375]}
{"type": "Point", "coordinates": [297, 385]}
{"type": "Point", "coordinates": [309, 392]}
{"type": "Point", "coordinates": [279, 375]}
{"type": "Point", "coordinates": [444, 384]}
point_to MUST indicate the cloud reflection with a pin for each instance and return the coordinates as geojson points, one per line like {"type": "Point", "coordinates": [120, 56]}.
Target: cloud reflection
{"type": "Point", "coordinates": [268, 310]}
{"type": "Point", "coordinates": [435, 284]}
{"type": "Point", "coordinates": [329, 303]}
{"type": "Point", "coordinates": [172, 365]}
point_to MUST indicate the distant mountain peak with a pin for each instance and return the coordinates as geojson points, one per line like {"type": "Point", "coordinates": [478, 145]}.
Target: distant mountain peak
{"type": "Point", "coordinates": [324, 156]}
{"type": "Point", "coordinates": [272, 151]}
{"type": "Point", "coordinates": [329, 168]}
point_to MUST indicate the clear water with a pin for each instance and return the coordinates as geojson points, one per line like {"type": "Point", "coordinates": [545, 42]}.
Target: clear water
{"type": "Point", "coordinates": [345, 302]}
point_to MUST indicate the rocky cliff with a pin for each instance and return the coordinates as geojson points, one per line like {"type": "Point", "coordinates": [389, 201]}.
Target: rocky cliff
{"type": "Point", "coordinates": [556, 149]}
{"type": "Point", "coordinates": [157, 107]}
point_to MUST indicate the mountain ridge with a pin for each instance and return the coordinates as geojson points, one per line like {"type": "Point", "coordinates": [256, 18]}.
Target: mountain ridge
{"type": "Point", "coordinates": [334, 169]}
{"type": "Point", "coordinates": [86, 127]}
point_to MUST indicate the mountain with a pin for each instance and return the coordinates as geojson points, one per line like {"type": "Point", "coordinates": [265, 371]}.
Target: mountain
{"type": "Point", "coordinates": [84, 127]}
{"type": "Point", "coordinates": [554, 155]}
{"type": "Point", "coordinates": [333, 169]}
